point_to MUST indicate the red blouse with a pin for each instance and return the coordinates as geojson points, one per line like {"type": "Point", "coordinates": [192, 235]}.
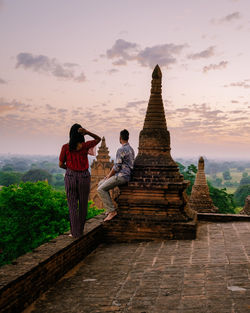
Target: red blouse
{"type": "Point", "coordinates": [77, 160]}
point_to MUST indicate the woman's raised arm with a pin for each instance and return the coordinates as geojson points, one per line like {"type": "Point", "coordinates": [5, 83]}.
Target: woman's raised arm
{"type": "Point", "coordinates": [86, 132]}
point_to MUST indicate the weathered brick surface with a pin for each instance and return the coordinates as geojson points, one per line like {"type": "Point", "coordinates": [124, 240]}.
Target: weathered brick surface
{"type": "Point", "coordinates": [154, 204]}
{"type": "Point", "coordinates": [208, 275]}
{"type": "Point", "coordinates": [246, 209]}
{"type": "Point", "coordinates": [99, 169]}
{"type": "Point", "coordinates": [200, 199]}
{"type": "Point", "coordinates": [33, 273]}
{"type": "Point", "coordinates": [223, 218]}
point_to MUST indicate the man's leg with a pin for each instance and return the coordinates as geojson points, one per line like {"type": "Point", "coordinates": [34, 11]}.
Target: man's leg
{"type": "Point", "coordinates": [103, 191]}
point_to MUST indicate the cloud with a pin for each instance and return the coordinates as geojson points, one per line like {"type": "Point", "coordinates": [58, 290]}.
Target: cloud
{"type": "Point", "coordinates": [124, 51]}
{"type": "Point", "coordinates": [44, 64]}
{"type": "Point", "coordinates": [164, 55]}
{"type": "Point", "coordinates": [228, 18]}
{"type": "Point", "coordinates": [121, 110]}
{"type": "Point", "coordinates": [205, 125]}
{"type": "Point", "coordinates": [80, 78]}
{"type": "Point", "coordinates": [112, 71]}
{"type": "Point", "coordinates": [243, 84]}
{"type": "Point", "coordinates": [135, 104]}
{"type": "Point", "coordinates": [221, 65]}
{"type": "Point", "coordinates": [243, 118]}
{"type": "Point", "coordinates": [237, 111]}
{"type": "Point", "coordinates": [207, 53]}
{"type": "Point", "coordinates": [50, 107]}
{"type": "Point", "coordinates": [2, 81]}
{"type": "Point", "coordinates": [6, 106]}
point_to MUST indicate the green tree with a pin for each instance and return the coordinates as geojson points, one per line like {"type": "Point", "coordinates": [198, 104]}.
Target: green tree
{"type": "Point", "coordinates": [7, 168]}
{"type": "Point", "coordinates": [222, 200]}
{"type": "Point", "coordinates": [241, 193]}
{"type": "Point", "coordinates": [9, 178]}
{"type": "Point", "coordinates": [216, 181]}
{"type": "Point", "coordinates": [245, 180]}
{"type": "Point", "coordinates": [226, 175]}
{"type": "Point", "coordinates": [58, 180]}
{"type": "Point", "coordinates": [245, 174]}
{"type": "Point", "coordinates": [38, 174]}
{"type": "Point", "coordinates": [188, 174]}
{"type": "Point", "coordinates": [31, 214]}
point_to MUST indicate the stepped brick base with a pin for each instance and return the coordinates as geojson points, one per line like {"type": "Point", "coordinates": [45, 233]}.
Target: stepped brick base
{"type": "Point", "coordinates": [118, 230]}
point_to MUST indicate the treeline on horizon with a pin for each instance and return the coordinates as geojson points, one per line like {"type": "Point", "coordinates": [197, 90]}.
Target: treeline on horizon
{"type": "Point", "coordinates": [33, 206]}
{"type": "Point", "coordinates": [229, 176]}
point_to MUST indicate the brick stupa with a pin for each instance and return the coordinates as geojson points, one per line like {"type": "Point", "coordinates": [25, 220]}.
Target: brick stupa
{"type": "Point", "coordinates": [154, 204]}
{"type": "Point", "coordinates": [200, 199]}
{"type": "Point", "coordinates": [246, 209]}
{"type": "Point", "coordinates": [99, 169]}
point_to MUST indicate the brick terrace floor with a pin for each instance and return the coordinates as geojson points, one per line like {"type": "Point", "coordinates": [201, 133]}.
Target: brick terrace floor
{"type": "Point", "coordinates": [209, 274]}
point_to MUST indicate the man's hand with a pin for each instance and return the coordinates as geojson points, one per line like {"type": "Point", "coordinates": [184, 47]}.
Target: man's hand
{"type": "Point", "coordinates": [110, 174]}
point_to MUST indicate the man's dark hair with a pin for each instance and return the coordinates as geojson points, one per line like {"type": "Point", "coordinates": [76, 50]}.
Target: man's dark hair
{"type": "Point", "coordinates": [124, 134]}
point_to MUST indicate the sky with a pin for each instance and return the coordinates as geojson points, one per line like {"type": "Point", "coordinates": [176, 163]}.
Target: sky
{"type": "Point", "coordinates": [90, 62]}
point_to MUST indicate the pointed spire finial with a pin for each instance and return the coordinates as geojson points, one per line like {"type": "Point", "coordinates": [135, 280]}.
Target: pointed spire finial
{"type": "Point", "coordinates": [103, 144]}
{"type": "Point", "coordinates": [157, 72]}
{"type": "Point", "coordinates": [201, 165]}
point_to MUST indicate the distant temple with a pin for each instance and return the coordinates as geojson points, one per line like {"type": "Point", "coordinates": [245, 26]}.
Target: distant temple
{"type": "Point", "coordinates": [200, 199]}
{"type": "Point", "coordinates": [99, 169]}
{"type": "Point", "coordinates": [154, 204]}
{"type": "Point", "coordinates": [246, 209]}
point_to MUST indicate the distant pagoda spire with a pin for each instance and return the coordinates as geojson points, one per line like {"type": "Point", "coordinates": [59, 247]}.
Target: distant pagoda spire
{"type": "Point", "coordinates": [103, 152]}
{"type": "Point", "coordinates": [246, 209]}
{"type": "Point", "coordinates": [200, 199]}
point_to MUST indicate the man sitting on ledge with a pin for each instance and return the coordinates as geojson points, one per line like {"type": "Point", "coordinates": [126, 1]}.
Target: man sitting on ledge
{"type": "Point", "coordinates": [119, 174]}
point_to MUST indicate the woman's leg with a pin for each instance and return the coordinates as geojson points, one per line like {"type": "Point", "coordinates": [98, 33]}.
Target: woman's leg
{"type": "Point", "coordinates": [72, 197]}
{"type": "Point", "coordinates": [83, 190]}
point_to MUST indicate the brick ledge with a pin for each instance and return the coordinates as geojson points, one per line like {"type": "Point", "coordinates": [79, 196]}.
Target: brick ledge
{"type": "Point", "coordinates": [34, 272]}
{"type": "Point", "coordinates": [224, 218]}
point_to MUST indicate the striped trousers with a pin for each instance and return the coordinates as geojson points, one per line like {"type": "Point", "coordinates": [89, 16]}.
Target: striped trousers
{"type": "Point", "coordinates": [77, 186]}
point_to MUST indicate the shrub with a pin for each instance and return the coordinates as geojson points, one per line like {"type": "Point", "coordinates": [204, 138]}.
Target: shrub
{"type": "Point", "coordinates": [241, 193]}
{"type": "Point", "coordinates": [9, 178]}
{"type": "Point", "coordinates": [30, 215]}
{"type": "Point", "coordinates": [245, 180]}
{"type": "Point", "coordinates": [38, 174]}
{"type": "Point", "coordinates": [222, 200]}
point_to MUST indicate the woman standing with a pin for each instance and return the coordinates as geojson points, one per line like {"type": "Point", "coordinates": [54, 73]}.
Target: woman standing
{"type": "Point", "coordinates": [74, 158]}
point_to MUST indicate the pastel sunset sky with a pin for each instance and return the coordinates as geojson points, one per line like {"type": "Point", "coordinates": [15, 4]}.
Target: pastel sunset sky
{"type": "Point", "coordinates": [90, 62]}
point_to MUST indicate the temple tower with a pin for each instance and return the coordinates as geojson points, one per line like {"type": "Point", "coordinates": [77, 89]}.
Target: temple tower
{"type": "Point", "coordinates": [99, 169]}
{"type": "Point", "coordinates": [200, 199]}
{"type": "Point", "coordinates": [246, 209]}
{"type": "Point", "coordinates": [153, 205]}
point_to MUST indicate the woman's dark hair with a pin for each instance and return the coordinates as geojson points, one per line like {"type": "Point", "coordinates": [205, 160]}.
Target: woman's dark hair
{"type": "Point", "coordinates": [75, 137]}
{"type": "Point", "coordinates": [124, 134]}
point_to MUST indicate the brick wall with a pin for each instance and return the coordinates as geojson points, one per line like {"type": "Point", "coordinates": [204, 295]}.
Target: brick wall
{"type": "Point", "coordinates": [33, 273]}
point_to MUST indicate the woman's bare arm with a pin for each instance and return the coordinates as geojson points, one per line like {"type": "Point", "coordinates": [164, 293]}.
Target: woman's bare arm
{"type": "Point", "coordinates": [62, 165]}
{"type": "Point", "coordinates": [86, 132]}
